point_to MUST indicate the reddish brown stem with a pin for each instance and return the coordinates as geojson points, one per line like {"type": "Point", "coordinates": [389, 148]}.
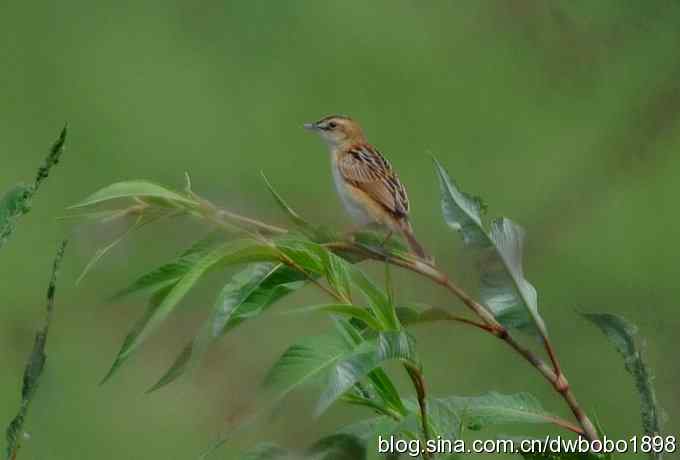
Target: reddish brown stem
{"type": "Point", "coordinates": [553, 375]}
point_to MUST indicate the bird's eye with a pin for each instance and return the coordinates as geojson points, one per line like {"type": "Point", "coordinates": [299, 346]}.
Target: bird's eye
{"type": "Point", "coordinates": [332, 124]}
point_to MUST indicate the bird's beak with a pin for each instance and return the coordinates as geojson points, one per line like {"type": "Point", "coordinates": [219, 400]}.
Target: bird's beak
{"type": "Point", "coordinates": [310, 126]}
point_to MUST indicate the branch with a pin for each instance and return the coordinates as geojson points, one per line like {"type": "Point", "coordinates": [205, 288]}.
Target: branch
{"type": "Point", "coordinates": [555, 377]}
{"type": "Point", "coordinates": [552, 374]}
{"type": "Point", "coordinates": [209, 211]}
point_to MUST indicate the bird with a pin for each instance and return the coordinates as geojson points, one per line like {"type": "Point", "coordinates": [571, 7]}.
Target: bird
{"type": "Point", "coordinates": [369, 187]}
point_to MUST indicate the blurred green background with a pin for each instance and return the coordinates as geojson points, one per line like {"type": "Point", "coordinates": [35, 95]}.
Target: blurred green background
{"type": "Point", "coordinates": [562, 115]}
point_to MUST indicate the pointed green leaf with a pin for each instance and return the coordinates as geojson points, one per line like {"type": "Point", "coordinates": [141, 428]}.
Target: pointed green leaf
{"type": "Point", "coordinates": [349, 311]}
{"type": "Point", "coordinates": [420, 313]}
{"type": "Point", "coordinates": [171, 272]}
{"type": "Point", "coordinates": [444, 420]}
{"type": "Point", "coordinates": [367, 357]}
{"type": "Point", "coordinates": [178, 367]}
{"type": "Point", "coordinates": [163, 305]}
{"type": "Point", "coordinates": [251, 291]}
{"type": "Point", "coordinates": [337, 273]}
{"type": "Point", "coordinates": [462, 212]}
{"type": "Point", "coordinates": [621, 333]}
{"type": "Point", "coordinates": [377, 299]}
{"type": "Point", "coordinates": [306, 362]}
{"type": "Point", "coordinates": [139, 326]}
{"type": "Point", "coordinates": [496, 408]}
{"type": "Point", "coordinates": [305, 254]}
{"type": "Point", "coordinates": [131, 189]}
{"type": "Point", "coordinates": [378, 378]}
{"type": "Point", "coordinates": [248, 294]}
{"type": "Point", "coordinates": [316, 260]}
{"type": "Point", "coordinates": [503, 288]}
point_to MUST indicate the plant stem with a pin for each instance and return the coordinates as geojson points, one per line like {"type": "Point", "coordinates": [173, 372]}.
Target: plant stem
{"type": "Point", "coordinates": [553, 375]}
{"type": "Point", "coordinates": [215, 214]}
{"type": "Point", "coordinates": [419, 383]}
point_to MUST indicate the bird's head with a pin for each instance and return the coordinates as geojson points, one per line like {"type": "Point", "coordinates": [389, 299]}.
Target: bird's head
{"type": "Point", "coordinates": [337, 130]}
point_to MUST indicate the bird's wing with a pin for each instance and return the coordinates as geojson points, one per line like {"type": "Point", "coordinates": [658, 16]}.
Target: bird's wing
{"type": "Point", "coordinates": [365, 168]}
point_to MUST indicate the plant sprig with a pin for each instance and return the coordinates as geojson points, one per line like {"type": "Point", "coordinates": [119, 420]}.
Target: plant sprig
{"type": "Point", "coordinates": [280, 260]}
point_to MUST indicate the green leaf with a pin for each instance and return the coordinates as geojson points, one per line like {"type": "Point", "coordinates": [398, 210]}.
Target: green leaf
{"type": "Point", "coordinates": [306, 362]}
{"type": "Point", "coordinates": [160, 307]}
{"type": "Point", "coordinates": [503, 288]}
{"type": "Point", "coordinates": [171, 272]}
{"type": "Point", "coordinates": [131, 189]}
{"type": "Point", "coordinates": [378, 378]}
{"type": "Point", "coordinates": [462, 212]}
{"type": "Point", "coordinates": [156, 299]}
{"type": "Point", "coordinates": [420, 313]}
{"type": "Point", "coordinates": [340, 274]}
{"type": "Point", "coordinates": [251, 291]}
{"type": "Point", "coordinates": [445, 421]}
{"type": "Point", "coordinates": [367, 357]}
{"type": "Point", "coordinates": [495, 408]}
{"type": "Point", "coordinates": [377, 299]}
{"type": "Point", "coordinates": [248, 294]}
{"type": "Point", "coordinates": [305, 254]}
{"type": "Point", "coordinates": [34, 366]}
{"type": "Point", "coordinates": [350, 311]}
{"type": "Point", "coordinates": [337, 272]}
{"type": "Point", "coordinates": [621, 333]}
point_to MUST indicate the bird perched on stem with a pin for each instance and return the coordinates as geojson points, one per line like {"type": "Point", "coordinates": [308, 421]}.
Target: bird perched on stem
{"type": "Point", "coordinates": [368, 186]}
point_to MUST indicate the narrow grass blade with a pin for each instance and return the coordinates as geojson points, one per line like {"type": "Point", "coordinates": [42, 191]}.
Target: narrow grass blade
{"type": "Point", "coordinates": [17, 201]}
{"type": "Point", "coordinates": [34, 366]}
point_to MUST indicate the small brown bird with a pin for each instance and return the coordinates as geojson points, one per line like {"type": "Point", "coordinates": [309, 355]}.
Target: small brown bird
{"type": "Point", "coordinates": [368, 186]}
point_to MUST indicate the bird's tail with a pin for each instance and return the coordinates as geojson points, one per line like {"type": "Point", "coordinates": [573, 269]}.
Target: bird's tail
{"type": "Point", "coordinates": [416, 247]}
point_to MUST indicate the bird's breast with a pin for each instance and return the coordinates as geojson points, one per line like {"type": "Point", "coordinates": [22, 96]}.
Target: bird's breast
{"type": "Point", "coordinates": [353, 207]}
